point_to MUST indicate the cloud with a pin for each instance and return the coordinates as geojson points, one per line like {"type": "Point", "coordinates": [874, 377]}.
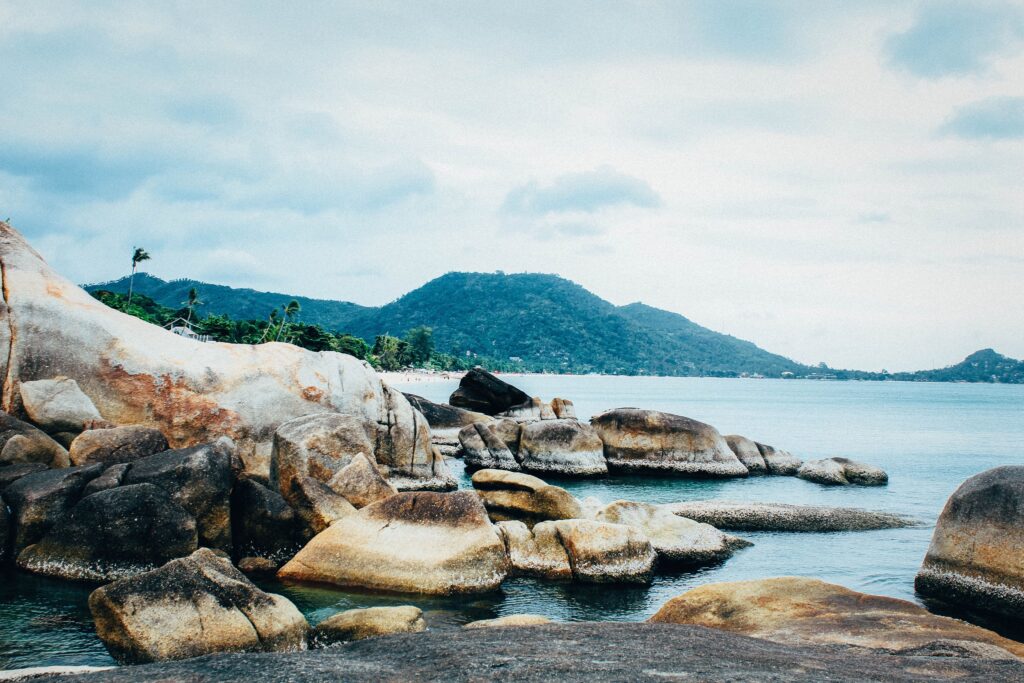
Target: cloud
{"type": "Point", "coordinates": [584, 192]}
{"type": "Point", "coordinates": [995, 118]}
{"type": "Point", "coordinates": [957, 38]}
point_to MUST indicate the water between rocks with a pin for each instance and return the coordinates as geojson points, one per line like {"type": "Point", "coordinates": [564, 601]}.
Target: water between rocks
{"type": "Point", "coordinates": [929, 437]}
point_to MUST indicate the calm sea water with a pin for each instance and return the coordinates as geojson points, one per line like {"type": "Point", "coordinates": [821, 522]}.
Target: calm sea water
{"type": "Point", "coordinates": [929, 437]}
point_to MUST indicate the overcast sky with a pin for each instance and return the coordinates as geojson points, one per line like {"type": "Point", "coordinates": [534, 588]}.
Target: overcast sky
{"type": "Point", "coordinates": [835, 181]}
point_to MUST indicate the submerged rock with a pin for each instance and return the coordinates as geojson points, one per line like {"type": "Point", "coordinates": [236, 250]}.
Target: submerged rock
{"type": "Point", "coordinates": [422, 542]}
{"type": "Point", "coordinates": [512, 495]}
{"type": "Point", "coordinates": [113, 534]}
{"type": "Point", "coordinates": [778, 461]}
{"type": "Point", "coordinates": [358, 624]}
{"type": "Point", "coordinates": [535, 552]}
{"type": "Point", "coordinates": [116, 445]}
{"type": "Point", "coordinates": [190, 607]}
{"type": "Point", "coordinates": [22, 443]}
{"type": "Point", "coordinates": [748, 453]}
{"type": "Point", "coordinates": [606, 553]}
{"type": "Point", "coordinates": [58, 405]}
{"type": "Point", "coordinates": [563, 446]}
{"type": "Point", "coordinates": [842, 472]}
{"type": "Point", "coordinates": [41, 499]}
{"type": "Point", "coordinates": [650, 441]}
{"type": "Point", "coordinates": [801, 611]}
{"type": "Point", "coordinates": [510, 620]}
{"type": "Point", "coordinates": [743, 516]}
{"type": "Point", "coordinates": [976, 557]}
{"type": "Point", "coordinates": [482, 392]}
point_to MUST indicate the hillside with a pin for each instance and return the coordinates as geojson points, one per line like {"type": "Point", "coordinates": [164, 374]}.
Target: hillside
{"type": "Point", "coordinates": [981, 366]}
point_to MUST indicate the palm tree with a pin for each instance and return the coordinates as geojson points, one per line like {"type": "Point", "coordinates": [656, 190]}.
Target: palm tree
{"type": "Point", "coordinates": [138, 256]}
{"type": "Point", "coordinates": [193, 301]}
{"type": "Point", "coordinates": [270, 325]}
{"type": "Point", "coordinates": [290, 311]}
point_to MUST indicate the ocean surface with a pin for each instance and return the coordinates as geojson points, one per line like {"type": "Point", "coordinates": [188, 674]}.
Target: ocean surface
{"type": "Point", "coordinates": [929, 437]}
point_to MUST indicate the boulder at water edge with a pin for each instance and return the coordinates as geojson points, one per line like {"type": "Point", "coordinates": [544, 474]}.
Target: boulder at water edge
{"type": "Point", "coordinates": [112, 534]}
{"type": "Point", "coordinates": [58, 405]}
{"type": "Point", "coordinates": [359, 624]}
{"type": "Point", "coordinates": [190, 607]}
{"type": "Point", "coordinates": [482, 392]}
{"type": "Point", "coordinates": [750, 516]}
{"type": "Point", "coordinates": [417, 542]}
{"type": "Point", "coordinates": [513, 495]}
{"type": "Point", "coordinates": [675, 539]}
{"type": "Point", "coordinates": [778, 461]}
{"type": "Point", "coordinates": [842, 472]}
{"type": "Point", "coordinates": [748, 453]}
{"type": "Point", "coordinates": [564, 447]}
{"type": "Point", "coordinates": [606, 553]}
{"type": "Point", "coordinates": [22, 443]}
{"type": "Point", "coordinates": [442, 416]}
{"type": "Point", "coordinates": [40, 500]}
{"type": "Point", "coordinates": [802, 611]}
{"type": "Point", "coordinates": [650, 441]}
{"type": "Point", "coordinates": [116, 445]}
{"type": "Point", "coordinates": [491, 445]}
{"type": "Point", "coordinates": [361, 483]}
{"type": "Point", "coordinates": [976, 557]}
{"type": "Point", "coordinates": [263, 525]}
{"type": "Point", "coordinates": [535, 552]}
{"type": "Point", "coordinates": [193, 392]}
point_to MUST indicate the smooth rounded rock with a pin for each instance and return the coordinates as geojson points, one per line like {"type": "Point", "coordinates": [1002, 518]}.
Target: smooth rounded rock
{"type": "Point", "coordinates": [750, 516]}
{"type": "Point", "coordinates": [606, 553]}
{"type": "Point", "coordinates": [361, 483]}
{"type": "Point", "coordinates": [513, 495]}
{"type": "Point", "coordinates": [747, 452]}
{"type": "Point", "coordinates": [442, 416]}
{"type": "Point", "coordinates": [535, 552]}
{"type": "Point", "coordinates": [22, 443]}
{"type": "Point", "coordinates": [778, 461]}
{"type": "Point", "coordinates": [491, 445]}
{"type": "Point", "coordinates": [510, 620]}
{"type": "Point", "coordinates": [359, 624]}
{"type": "Point", "coordinates": [564, 447]}
{"type": "Point", "coordinates": [842, 472]}
{"type": "Point", "coordinates": [116, 445]}
{"type": "Point", "coordinates": [58, 405]}
{"type": "Point", "coordinates": [674, 538]}
{"type": "Point", "coordinates": [41, 499]}
{"type": "Point", "coordinates": [482, 392]}
{"type": "Point", "coordinates": [263, 525]}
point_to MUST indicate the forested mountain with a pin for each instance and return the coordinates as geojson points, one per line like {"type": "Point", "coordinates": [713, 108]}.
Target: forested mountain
{"type": "Point", "coordinates": [981, 366]}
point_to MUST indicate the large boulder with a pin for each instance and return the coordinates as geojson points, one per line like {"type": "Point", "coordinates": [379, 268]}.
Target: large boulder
{"type": "Point", "coordinates": [112, 534]}
{"type": "Point", "coordinates": [748, 516]}
{"type": "Point", "coordinates": [190, 607]}
{"type": "Point", "coordinates": [199, 479]}
{"type": "Point", "coordinates": [535, 552]}
{"type": "Point", "coordinates": [361, 483]}
{"type": "Point", "coordinates": [482, 392]}
{"type": "Point", "coordinates": [606, 553]}
{"type": "Point", "coordinates": [317, 505]}
{"type": "Point", "coordinates": [116, 445]}
{"type": "Point", "coordinates": [650, 441]}
{"type": "Point", "coordinates": [488, 446]}
{"type": "Point", "coordinates": [778, 461]}
{"type": "Point", "coordinates": [22, 443]}
{"type": "Point", "coordinates": [513, 495]}
{"type": "Point", "coordinates": [747, 452]}
{"type": "Point", "coordinates": [262, 523]}
{"type": "Point", "coordinates": [358, 624]}
{"type": "Point", "coordinates": [58, 405]}
{"type": "Point", "coordinates": [842, 472]}
{"type": "Point", "coordinates": [802, 611]}
{"type": "Point", "coordinates": [442, 416]}
{"type": "Point", "coordinates": [193, 392]}
{"type": "Point", "coordinates": [675, 539]}
{"type": "Point", "coordinates": [561, 447]}
{"type": "Point", "coordinates": [976, 557]}
{"type": "Point", "coordinates": [419, 542]}
{"type": "Point", "coordinates": [40, 500]}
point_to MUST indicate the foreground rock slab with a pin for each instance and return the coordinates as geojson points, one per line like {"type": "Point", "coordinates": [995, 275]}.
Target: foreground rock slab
{"type": "Point", "coordinates": [417, 542]}
{"type": "Point", "coordinates": [570, 653]}
{"type": "Point", "coordinates": [357, 624]}
{"type": "Point", "coordinates": [742, 516]}
{"type": "Point", "coordinates": [801, 611]}
{"type": "Point", "coordinates": [976, 557]}
{"type": "Point", "coordinates": [190, 607]}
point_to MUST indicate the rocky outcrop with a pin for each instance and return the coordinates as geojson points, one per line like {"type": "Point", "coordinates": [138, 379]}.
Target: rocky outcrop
{"type": "Point", "coordinates": [442, 416]}
{"type": "Point", "coordinates": [58, 405]}
{"type": "Point", "coordinates": [193, 392]}
{"type": "Point", "coordinates": [512, 495]}
{"type": "Point", "coordinates": [976, 557]}
{"type": "Point", "coordinates": [801, 611]}
{"type": "Point", "coordinates": [22, 443]}
{"type": "Point", "coordinates": [743, 516]}
{"type": "Point", "coordinates": [606, 553]}
{"type": "Point", "coordinates": [113, 534]}
{"type": "Point", "coordinates": [842, 472]}
{"type": "Point", "coordinates": [491, 445]}
{"type": "Point", "coordinates": [778, 461]}
{"type": "Point", "coordinates": [199, 479]}
{"type": "Point", "coordinates": [361, 483]}
{"type": "Point", "coordinates": [748, 453]}
{"type": "Point", "coordinates": [676, 539]}
{"type": "Point", "coordinates": [263, 525]}
{"type": "Point", "coordinates": [573, 652]}
{"type": "Point", "coordinates": [535, 552]}
{"type": "Point", "coordinates": [40, 500]}
{"type": "Point", "coordinates": [650, 441]}
{"type": "Point", "coordinates": [482, 392]}
{"type": "Point", "coordinates": [510, 620]}
{"type": "Point", "coordinates": [563, 447]}
{"type": "Point", "coordinates": [116, 445]}
{"type": "Point", "coordinates": [359, 624]}
{"type": "Point", "coordinates": [190, 607]}
{"type": "Point", "coordinates": [420, 542]}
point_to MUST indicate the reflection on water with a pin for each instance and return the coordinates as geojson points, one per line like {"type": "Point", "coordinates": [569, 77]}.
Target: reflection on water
{"type": "Point", "coordinates": [929, 437]}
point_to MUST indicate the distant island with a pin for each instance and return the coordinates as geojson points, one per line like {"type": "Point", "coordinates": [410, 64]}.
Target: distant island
{"type": "Point", "coordinates": [517, 322]}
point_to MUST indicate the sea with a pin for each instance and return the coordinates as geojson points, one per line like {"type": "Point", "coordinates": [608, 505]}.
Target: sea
{"type": "Point", "coordinates": [929, 437]}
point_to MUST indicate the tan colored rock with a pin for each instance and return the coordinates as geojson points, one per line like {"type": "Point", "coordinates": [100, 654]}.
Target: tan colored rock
{"type": "Point", "coordinates": [58, 405]}
{"type": "Point", "coordinates": [606, 553]}
{"type": "Point", "coordinates": [564, 447]}
{"type": "Point", "coordinates": [842, 472]}
{"type": "Point", "coordinates": [513, 495]}
{"type": "Point", "coordinates": [21, 443]}
{"type": "Point", "coordinates": [359, 624]}
{"type": "Point", "coordinates": [361, 483]}
{"type": "Point", "coordinates": [675, 538]}
{"type": "Point", "coordinates": [537, 552]}
{"type": "Point", "coordinates": [318, 505]}
{"type": "Point", "coordinates": [193, 392]}
{"type": "Point", "coordinates": [650, 441]}
{"type": "Point", "coordinates": [748, 453]}
{"type": "Point", "coordinates": [116, 445]}
{"type": "Point", "coordinates": [483, 446]}
{"type": "Point", "coordinates": [778, 461]}
{"type": "Point", "coordinates": [422, 542]}
{"type": "Point", "coordinates": [802, 611]}
{"type": "Point", "coordinates": [510, 620]}
{"type": "Point", "coordinates": [563, 408]}
{"type": "Point", "coordinates": [547, 412]}
{"type": "Point", "coordinates": [190, 607]}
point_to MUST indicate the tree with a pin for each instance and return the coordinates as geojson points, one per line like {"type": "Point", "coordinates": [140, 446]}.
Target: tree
{"type": "Point", "coordinates": [421, 345]}
{"type": "Point", "coordinates": [138, 256]}
{"type": "Point", "coordinates": [391, 352]}
{"type": "Point", "coordinates": [290, 311]}
{"type": "Point", "coordinates": [191, 303]}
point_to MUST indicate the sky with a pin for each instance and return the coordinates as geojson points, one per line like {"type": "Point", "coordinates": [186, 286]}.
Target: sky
{"type": "Point", "coordinates": [835, 181]}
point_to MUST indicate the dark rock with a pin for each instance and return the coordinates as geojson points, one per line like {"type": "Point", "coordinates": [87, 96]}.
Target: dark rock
{"type": "Point", "coordinates": [5, 532]}
{"type": "Point", "coordinates": [20, 442]}
{"type": "Point", "coordinates": [112, 534]}
{"type": "Point", "coordinates": [570, 653]}
{"type": "Point", "coordinates": [263, 524]}
{"type": "Point", "coordinates": [40, 500]}
{"type": "Point", "coordinates": [111, 477]}
{"type": "Point", "coordinates": [117, 444]}
{"type": "Point", "coordinates": [199, 479]}
{"type": "Point", "coordinates": [12, 473]}
{"type": "Point", "coordinates": [482, 392]}
{"type": "Point", "coordinates": [444, 416]}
